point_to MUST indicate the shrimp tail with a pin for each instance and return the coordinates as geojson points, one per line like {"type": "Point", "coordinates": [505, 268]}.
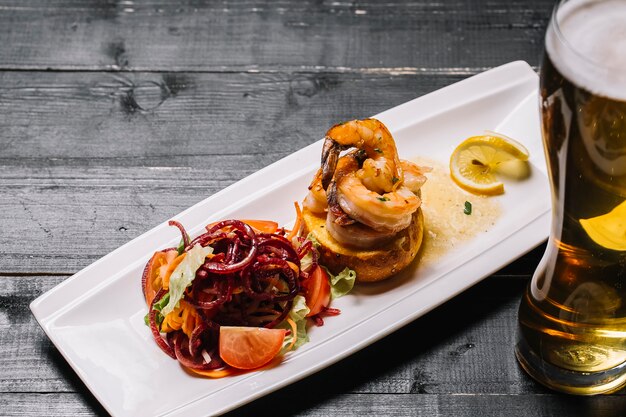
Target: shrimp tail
{"type": "Point", "coordinates": [330, 156]}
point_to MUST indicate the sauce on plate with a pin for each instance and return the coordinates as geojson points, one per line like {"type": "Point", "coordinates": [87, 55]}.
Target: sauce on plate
{"type": "Point", "coordinates": [443, 203]}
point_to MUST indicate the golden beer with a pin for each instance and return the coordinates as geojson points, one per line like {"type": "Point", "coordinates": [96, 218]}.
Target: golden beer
{"type": "Point", "coordinates": [572, 319]}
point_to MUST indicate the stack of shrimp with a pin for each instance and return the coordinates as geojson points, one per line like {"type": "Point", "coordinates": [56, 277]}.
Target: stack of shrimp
{"type": "Point", "coordinates": [363, 206]}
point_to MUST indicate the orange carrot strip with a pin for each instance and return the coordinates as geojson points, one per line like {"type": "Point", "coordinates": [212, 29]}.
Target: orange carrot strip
{"type": "Point", "coordinates": [217, 373]}
{"type": "Point", "coordinates": [294, 333]}
{"type": "Point", "coordinates": [294, 267]}
{"type": "Point", "coordinates": [298, 224]}
{"type": "Point", "coordinates": [172, 266]}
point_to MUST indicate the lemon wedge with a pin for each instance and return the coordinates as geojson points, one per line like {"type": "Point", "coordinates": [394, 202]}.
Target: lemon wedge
{"type": "Point", "coordinates": [475, 162]}
{"type": "Point", "coordinates": [608, 230]}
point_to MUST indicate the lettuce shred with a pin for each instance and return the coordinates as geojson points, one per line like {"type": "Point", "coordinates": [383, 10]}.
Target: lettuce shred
{"type": "Point", "coordinates": [184, 274]}
{"type": "Point", "coordinates": [158, 306]}
{"type": "Point", "coordinates": [342, 283]}
{"type": "Point", "coordinates": [313, 239]}
{"type": "Point", "coordinates": [298, 314]}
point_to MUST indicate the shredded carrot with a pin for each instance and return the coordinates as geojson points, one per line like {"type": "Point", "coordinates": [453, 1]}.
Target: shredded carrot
{"type": "Point", "coordinates": [170, 268]}
{"type": "Point", "coordinates": [294, 267]}
{"type": "Point", "coordinates": [298, 224]}
{"type": "Point", "coordinates": [294, 333]}
{"type": "Point", "coordinates": [217, 373]}
{"type": "Point", "coordinates": [183, 317]}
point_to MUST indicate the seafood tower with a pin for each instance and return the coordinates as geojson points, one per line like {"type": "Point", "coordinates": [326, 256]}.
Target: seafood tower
{"type": "Point", "coordinates": [363, 205]}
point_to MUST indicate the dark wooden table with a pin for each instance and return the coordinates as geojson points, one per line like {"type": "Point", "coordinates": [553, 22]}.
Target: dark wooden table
{"type": "Point", "coordinates": [116, 115]}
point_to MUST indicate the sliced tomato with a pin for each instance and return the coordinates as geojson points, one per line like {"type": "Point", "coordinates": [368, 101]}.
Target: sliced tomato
{"type": "Point", "coordinates": [154, 272]}
{"type": "Point", "coordinates": [317, 291]}
{"type": "Point", "coordinates": [262, 226]}
{"type": "Point", "coordinates": [249, 347]}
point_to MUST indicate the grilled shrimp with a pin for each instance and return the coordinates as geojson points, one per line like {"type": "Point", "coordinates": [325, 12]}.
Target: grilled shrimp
{"type": "Point", "coordinates": [316, 200]}
{"type": "Point", "coordinates": [414, 176]}
{"type": "Point", "coordinates": [369, 193]}
{"type": "Point", "coordinates": [368, 136]}
{"type": "Point", "coordinates": [356, 235]}
{"type": "Point", "coordinates": [386, 212]}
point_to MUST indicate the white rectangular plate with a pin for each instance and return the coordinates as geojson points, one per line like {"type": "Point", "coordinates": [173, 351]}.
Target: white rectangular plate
{"type": "Point", "coordinates": [95, 318]}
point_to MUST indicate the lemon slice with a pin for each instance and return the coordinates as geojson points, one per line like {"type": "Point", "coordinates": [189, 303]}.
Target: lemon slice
{"type": "Point", "coordinates": [475, 162]}
{"type": "Point", "coordinates": [608, 230]}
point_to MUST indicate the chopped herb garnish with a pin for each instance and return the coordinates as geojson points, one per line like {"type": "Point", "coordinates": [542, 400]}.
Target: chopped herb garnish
{"type": "Point", "coordinates": [383, 198]}
{"type": "Point", "coordinates": [468, 208]}
{"type": "Point", "coordinates": [394, 180]}
{"type": "Point", "coordinates": [378, 150]}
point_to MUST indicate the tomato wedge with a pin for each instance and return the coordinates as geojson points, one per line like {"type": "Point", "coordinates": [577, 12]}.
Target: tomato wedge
{"type": "Point", "coordinates": [154, 272]}
{"type": "Point", "coordinates": [317, 291]}
{"type": "Point", "coordinates": [249, 347]}
{"type": "Point", "coordinates": [262, 226]}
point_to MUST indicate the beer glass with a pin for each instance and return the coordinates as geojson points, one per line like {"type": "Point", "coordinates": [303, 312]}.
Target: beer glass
{"type": "Point", "coordinates": [572, 318]}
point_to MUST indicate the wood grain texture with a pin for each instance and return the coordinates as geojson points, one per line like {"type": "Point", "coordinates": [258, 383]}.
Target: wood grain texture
{"type": "Point", "coordinates": [92, 160]}
{"type": "Point", "coordinates": [142, 119]}
{"type": "Point", "coordinates": [252, 35]}
{"type": "Point", "coordinates": [32, 404]}
{"type": "Point", "coordinates": [116, 115]}
{"type": "Point", "coordinates": [355, 405]}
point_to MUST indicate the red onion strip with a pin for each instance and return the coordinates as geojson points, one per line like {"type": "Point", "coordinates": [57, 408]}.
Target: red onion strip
{"type": "Point", "coordinates": [153, 326]}
{"type": "Point", "coordinates": [220, 268]}
{"type": "Point", "coordinates": [182, 231]}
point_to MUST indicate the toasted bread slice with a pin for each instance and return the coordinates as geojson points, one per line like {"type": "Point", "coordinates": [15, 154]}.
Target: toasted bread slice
{"type": "Point", "coordinates": [373, 264]}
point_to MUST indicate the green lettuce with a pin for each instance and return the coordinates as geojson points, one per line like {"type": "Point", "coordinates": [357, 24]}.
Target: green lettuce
{"type": "Point", "coordinates": [298, 313]}
{"type": "Point", "coordinates": [299, 310]}
{"type": "Point", "coordinates": [342, 283]}
{"type": "Point", "coordinates": [158, 306]}
{"type": "Point", "coordinates": [184, 274]}
{"type": "Point", "coordinates": [181, 246]}
{"type": "Point", "coordinates": [313, 239]}
{"type": "Point", "coordinates": [306, 261]}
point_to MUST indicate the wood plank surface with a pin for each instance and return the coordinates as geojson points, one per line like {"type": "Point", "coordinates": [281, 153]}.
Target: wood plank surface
{"type": "Point", "coordinates": [139, 119]}
{"type": "Point", "coordinates": [251, 35]}
{"type": "Point", "coordinates": [116, 115]}
{"type": "Point", "coordinates": [355, 405]}
{"type": "Point", "coordinates": [83, 170]}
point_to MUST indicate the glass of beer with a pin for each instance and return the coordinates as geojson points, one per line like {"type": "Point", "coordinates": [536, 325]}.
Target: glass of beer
{"type": "Point", "coordinates": [572, 318]}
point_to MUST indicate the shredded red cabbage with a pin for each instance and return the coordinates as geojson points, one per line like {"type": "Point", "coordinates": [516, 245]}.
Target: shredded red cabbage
{"type": "Point", "coordinates": [250, 279]}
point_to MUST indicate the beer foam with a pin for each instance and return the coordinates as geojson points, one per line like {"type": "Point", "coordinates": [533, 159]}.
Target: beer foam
{"type": "Point", "coordinates": [597, 31]}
